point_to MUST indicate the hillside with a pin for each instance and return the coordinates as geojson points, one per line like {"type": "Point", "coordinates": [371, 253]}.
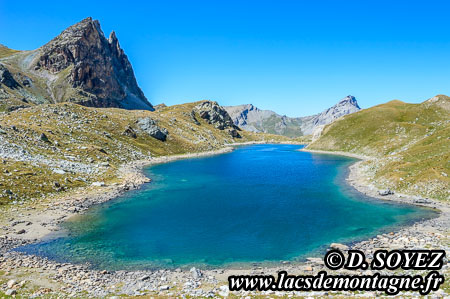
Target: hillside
{"type": "Point", "coordinates": [80, 65]}
{"type": "Point", "coordinates": [409, 143]}
{"type": "Point", "coordinates": [251, 118]}
{"type": "Point", "coordinates": [60, 147]}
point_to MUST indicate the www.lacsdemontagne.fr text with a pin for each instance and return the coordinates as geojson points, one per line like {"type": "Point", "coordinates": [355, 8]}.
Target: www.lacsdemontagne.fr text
{"type": "Point", "coordinates": [431, 260]}
{"type": "Point", "coordinates": [391, 285]}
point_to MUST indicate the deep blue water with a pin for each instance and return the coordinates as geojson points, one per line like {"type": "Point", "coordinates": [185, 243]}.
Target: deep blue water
{"type": "Point", "coordinates": [261, 203]}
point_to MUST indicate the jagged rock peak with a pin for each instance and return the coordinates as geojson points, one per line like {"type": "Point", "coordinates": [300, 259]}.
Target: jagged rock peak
{"type": "Point", "coordinates": [98, 66]}
{"type": "Point", "coordinates": [250, 118]}
{"type": "Point", "coordinates": [345, 106]}
{"type": "Point", "coordinates": [349, 100]}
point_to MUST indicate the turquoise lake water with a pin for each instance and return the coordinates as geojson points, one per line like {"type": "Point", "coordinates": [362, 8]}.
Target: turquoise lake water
{"type": "Point", "coordinates": [259, 203]}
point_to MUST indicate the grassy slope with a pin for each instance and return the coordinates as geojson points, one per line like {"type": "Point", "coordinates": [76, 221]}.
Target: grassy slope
{"type": "Point", "coordinates": [410, 141]}
{"type": "Point", "coordinates": [93, 136]}
{"type": "Point", "coordinates": [5, 51]}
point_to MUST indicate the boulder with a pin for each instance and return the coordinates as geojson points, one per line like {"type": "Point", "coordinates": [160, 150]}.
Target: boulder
{"type": "Point", "coordinates": [129, 132]}
{"type": "Point", "coordinates": [149, 126]}
{"type": "Point", "coordinates": [196, 273]}
{"type": "Point", "coordinates": [234, 133]}
{"type": "Point", "coordinates": [44, 138]}
{"type": "Point", "coordinates": [224, 291]}
{"type": "Point", "coordinates": [145, 277]}
{"type": "Point", "coordinates": [160, 106]}
{"type": "Point", "coordinates": [194, 120]}
{"type": "Point", "coordinates": [11, 283]}
{"type": "Point", "coordinates": [385, 192]}
{"type": "Point", "coordinates": [6, 78]}
{"type": "Point", "coordinates": [422, 200]}
{"type": "Point", "coordinates": [10, 292]}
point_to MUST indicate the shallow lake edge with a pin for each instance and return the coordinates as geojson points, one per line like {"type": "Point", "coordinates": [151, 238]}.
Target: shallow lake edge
{"type": "Point", "coordinates": [135, 178]}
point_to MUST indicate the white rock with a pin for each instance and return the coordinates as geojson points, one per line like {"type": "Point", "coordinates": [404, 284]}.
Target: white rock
{"type": "Point", "coordinates": [11, 283]}
{"type": "Point", "coordinates": [224, 291]}
{"type": "Point", "coordinates": [196, 273]}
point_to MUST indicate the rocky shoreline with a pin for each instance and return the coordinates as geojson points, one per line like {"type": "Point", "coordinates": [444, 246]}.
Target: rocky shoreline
{"type": "Point", "coordinates": [31, 224]}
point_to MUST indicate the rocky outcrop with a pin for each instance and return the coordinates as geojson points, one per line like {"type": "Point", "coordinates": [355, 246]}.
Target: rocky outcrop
{"type": "Point", "coordinates": [95, 67]}
{"type": "Point", "coordinates": [250, 118]}
{"type": "Point", "coordinates": [6, 78]}
{"type": "Point", "coordinates": [217, 116]}
{"type": "Point", "coordinates": [160, 106]}
{"type": "Point", "coordinates": [214, 114]}
{"type": "Point", "coordinates": [150, 127]}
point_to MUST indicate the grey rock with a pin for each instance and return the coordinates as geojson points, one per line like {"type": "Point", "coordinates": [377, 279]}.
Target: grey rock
{"type": "Point", "coordinates": [251, 118]}
{"type": "Point", "coordinates": [385, 192]}
{"type": "Point", "coordinates": [160, 106]}
{"type": "Point", "coordinates": [44, 138]}
{"type": "Point", "coordinates": [422, 200]}
{"type": "Point", "coordinates": [195, 273]}
{"type": "Point", "coordinates": [149, 126]}
{"type": "Point", "coordinates": [130, 132]}
{"type": "Point", "coordinates": [10, 283]}
{"type": "Point", "coordinates": [10, 292]}
{"type": "Point", "coordinates": [234, 133]}
{"type": "Point", "coordinates": [215, 115]}
{"type": "Point", "coordinates": [6, 78]}
{"type": "Point", "coordinates": [224, 291]}
{"type": "Point", "coordinates": [26, 82]}
{"type": "Point", "coordinates": [194, 120]}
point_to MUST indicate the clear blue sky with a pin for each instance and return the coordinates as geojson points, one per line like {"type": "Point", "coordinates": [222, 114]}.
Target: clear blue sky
{"type": "Point", "coordinates": [294, 57]}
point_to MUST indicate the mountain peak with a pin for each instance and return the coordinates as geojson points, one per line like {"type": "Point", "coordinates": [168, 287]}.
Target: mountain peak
{"type": "Point", "coordinates": [349, 100]}
{"type": "Point", "coordinates": [98, 67]}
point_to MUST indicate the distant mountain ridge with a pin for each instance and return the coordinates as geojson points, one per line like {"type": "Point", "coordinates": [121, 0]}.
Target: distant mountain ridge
{"type": "Point", "coordinates": [251, 118]}
{"type": "Point", "coordinates": [80, 65]}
